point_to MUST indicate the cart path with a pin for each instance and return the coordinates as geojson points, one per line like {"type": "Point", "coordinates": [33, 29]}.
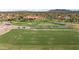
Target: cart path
{"type": "Point", "coordinates": [4, 28]}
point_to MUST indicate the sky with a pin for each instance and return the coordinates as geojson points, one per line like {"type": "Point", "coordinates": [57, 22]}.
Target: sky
{"type": "Point", "coordinates": [38, 4]}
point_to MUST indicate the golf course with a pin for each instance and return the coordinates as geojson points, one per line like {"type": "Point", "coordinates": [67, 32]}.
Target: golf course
{"type": "Point", "coordinates": [45, 30]}
{"type": "Point", "coordinates": [40, 39]}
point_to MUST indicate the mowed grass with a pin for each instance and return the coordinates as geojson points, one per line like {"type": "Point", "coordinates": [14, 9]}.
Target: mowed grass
{"type": "Point", "coordinates": [33, 24]}
{"type": "Point", "coordinates": [40, 39]}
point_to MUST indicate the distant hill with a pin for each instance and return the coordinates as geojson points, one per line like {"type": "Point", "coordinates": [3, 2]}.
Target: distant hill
{"type": "Point", "coordinates": [60, 10]}
{"type": "Point", "coordinates": [64, 11]}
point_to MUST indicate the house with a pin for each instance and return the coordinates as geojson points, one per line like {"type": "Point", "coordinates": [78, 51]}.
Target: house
{"type": "Point", "coordinates": [29, 17]}
{"type": "Point", "coordinates": [67, 17]}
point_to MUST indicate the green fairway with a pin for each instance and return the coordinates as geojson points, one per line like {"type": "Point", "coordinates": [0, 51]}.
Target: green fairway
{"type": "Point", "coordinates": [39, 39]}
{"type": "Point", "coordinates": [41, 25]}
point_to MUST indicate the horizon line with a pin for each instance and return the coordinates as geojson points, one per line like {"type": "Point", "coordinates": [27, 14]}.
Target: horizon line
{"type": "Point", "coordinates": [35, 9]}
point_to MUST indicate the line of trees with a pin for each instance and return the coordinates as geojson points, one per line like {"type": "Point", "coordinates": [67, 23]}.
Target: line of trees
{"type": "Point", "coordinates": [72, 17]}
